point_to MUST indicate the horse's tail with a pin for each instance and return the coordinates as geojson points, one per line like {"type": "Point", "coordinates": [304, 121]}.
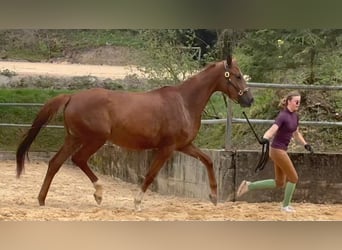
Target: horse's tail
{"type": "Point", "coordinates": [47, 112]}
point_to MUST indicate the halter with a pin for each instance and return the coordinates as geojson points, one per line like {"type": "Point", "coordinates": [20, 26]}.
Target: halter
{"type": "Point", "coordinates": [227, 76]}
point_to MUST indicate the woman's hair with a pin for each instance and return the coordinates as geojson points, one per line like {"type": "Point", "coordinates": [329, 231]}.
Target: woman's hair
{"type": "Point", "coordinates": [288, 97]}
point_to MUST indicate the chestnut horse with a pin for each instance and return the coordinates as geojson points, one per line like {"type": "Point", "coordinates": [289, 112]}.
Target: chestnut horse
{"type": "Point", "coordinates": [165, 119]}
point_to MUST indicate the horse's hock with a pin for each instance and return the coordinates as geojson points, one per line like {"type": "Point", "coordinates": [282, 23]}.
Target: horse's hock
{"type": "Point", "coordinates": [320, 176]}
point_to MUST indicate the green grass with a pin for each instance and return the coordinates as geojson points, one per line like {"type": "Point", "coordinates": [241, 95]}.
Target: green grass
{"type": "Point", "coordinates": [35, 55]}
{"type": "Point", "coordinates": [93, 38]}
{"type": "Point", "coordinates": [210, 136]}
{"type": "Point", "coordinates": [48, 140]}
{"type": "Point", "coordinates": [25, 95]}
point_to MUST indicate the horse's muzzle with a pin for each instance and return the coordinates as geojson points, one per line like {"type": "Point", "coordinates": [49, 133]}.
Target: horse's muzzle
{"type": "Point", "coordinates": [245, 101]}
{"type": "Point", "coordinates": [245, 98]}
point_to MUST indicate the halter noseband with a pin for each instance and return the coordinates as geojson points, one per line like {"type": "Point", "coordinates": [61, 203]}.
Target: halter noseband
{"type": "Point", "coordinates": [227, 76]}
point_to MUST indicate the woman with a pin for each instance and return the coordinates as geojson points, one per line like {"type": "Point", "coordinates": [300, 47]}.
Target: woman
{"type": "Point", "coordinates": [282, 130]}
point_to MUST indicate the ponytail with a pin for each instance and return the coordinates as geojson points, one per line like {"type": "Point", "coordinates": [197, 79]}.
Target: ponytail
{"type": "Point", "coordinates": [282, 103]}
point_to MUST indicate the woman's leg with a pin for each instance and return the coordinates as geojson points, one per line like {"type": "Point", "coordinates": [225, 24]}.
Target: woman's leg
{"type": "Point", "coordinates": [285, 169]}
{"type": "Point", "coordinates": [246, 186]}
{"type": "Point", "coordinates": [279, 180]}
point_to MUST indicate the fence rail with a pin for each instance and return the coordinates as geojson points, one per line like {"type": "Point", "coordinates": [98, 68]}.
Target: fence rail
{"type": "Point", "coordinates": [24, 105]}
{"type": "Point", "coordinates": [294, 86]}
{"type": "Point", "coordinates": [261, 121]}
{"type": "Point", "coordinates": [18, 104]}
{"type": "Point", "coordinates": [17, 125]}
{"type": "Point", "coordinates": [230, 119]}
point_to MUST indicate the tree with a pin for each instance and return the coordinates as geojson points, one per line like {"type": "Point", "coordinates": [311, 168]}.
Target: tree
{"type": "Point", "coordinates": [166, 57]}
{"type": "Point", "coordinates": [300, 56]}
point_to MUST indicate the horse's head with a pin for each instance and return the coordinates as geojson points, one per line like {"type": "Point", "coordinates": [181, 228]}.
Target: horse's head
{"type": "Point", "coordinates": [234, 84]}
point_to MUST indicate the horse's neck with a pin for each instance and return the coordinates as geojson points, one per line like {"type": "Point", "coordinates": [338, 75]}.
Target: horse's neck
{"type": "Point", "coordinates": [197, 90]}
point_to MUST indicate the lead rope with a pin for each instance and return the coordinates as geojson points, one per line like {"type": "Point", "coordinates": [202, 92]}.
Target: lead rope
{"type": "Point", "coordinates": [264, 151]}
{"type": "Point", "coordinates": [263, 158]}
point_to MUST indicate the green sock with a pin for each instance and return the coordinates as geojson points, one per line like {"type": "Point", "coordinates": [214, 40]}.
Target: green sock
{"type": "Point", "coordinates": [289, 190]}
{"type": "Point", "coordinates": [264, 184]}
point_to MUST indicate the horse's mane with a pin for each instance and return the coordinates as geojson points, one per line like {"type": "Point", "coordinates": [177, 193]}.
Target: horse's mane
{"type": "Point", "coordinates": [205, 69]}
{"type": "Point", "coordinates": [191, 78]}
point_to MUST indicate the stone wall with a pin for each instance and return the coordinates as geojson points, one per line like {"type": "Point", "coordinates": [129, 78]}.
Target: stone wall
{"type": "Point", "coordinates": [320, 175]}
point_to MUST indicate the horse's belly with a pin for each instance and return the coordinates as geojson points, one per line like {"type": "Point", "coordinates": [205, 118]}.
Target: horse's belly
{"type": "Point", "coordinates": [133, 142]}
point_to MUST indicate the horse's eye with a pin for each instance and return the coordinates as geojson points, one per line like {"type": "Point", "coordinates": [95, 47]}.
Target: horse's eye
{"type": "Point", "coordinates": [239, 77]}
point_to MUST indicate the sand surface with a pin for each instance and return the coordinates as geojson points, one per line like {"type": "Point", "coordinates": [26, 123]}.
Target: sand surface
{"type": "Point", "coordinates": [71, 194]}
{"type": "Point", "coordinates": [68, 69]}
{"type": "Point", "coordinates": [71, 199]}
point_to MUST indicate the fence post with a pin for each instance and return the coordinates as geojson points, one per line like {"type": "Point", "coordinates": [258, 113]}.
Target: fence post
{"type": "Point", "coordinates": [229, 123]}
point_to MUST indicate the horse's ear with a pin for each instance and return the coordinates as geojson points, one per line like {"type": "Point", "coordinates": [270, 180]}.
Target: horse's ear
{"type": "Point", "coordinates": [229, 60]}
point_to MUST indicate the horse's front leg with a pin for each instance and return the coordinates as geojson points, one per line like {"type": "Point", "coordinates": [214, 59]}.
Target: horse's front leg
{"type": "Point", "coordinates": [162, 155]}
{"type": "Point", "coordinates": [205, 159]}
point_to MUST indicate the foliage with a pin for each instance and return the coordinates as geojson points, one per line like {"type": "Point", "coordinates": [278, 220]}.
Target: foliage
{"type": "Point", "coordinates": [164, 58]}
{"type": "Point", "coordinates": [7, 72]}
{"type": "Point", "coordinates": [39, 45]}
{"type": "Point", "coordinates": [303, 56]}
{"type": "Point", "coordinates": [293, 56]}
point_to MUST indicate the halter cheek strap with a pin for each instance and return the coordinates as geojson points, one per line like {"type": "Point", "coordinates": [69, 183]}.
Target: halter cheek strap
{"type": "Point", "coordinates": [227, 76]}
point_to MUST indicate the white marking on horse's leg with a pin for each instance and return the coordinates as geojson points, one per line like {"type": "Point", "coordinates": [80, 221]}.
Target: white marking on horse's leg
{"type": "Point", "coordinates": [137, 200]}
{"type": "Point", "coordinates": [98, 191]}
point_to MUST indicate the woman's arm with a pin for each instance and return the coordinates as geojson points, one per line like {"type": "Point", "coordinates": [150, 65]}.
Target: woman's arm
{"type": "Point", "coordinates": [299, 137]}
{"type": "Point", "coordinates": [271, 132]}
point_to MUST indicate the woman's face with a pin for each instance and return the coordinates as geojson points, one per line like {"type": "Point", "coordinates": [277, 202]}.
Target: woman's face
{"type": "Point", "coordinates": [293, 104]}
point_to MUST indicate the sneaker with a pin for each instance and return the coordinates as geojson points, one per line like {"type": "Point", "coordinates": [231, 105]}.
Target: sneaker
{"type": "Point", "coordinates": [288, 209]}
{"type": "Point", "coordinates": [243, 188]}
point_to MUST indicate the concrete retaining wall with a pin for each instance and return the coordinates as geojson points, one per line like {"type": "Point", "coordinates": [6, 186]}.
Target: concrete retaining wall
{"type": "Point", "coordinates": [320, 175]}
{"type": "Point", "coordinates": [181, 176]}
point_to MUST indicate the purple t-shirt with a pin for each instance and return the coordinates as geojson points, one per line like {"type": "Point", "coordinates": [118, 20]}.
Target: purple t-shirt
{"type": "Point", "coordinates": [287, 122]}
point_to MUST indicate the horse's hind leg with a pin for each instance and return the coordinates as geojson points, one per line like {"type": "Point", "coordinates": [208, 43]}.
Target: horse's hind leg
{"type": "Point", "coordinates": [159, 159]}
{"type": "Point", "coordinates": [81, 157]}
{"type": "Point", "coordinates": [69, 146]}
{"type": "Point", "coordinates": [198, 154]}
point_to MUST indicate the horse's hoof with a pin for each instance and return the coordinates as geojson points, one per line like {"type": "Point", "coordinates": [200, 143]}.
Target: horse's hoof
{"type": "Point", "coordinates": [137, 205]}
{"type": "Point", "coordinates": [213, 199]}
{"type": "Point", "coordinates": [98, 199]}
{"type": "Point", "coordinates": [41, 202]}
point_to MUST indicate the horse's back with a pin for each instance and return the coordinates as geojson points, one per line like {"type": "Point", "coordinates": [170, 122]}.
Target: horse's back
{"type": "Point", "coordinates": [130, 119]}
{"type": "Point", "coordinates": [116, 103]}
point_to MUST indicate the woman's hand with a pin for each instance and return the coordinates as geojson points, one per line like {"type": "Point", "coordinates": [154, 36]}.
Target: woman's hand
{"type": "Point", "coordinates": [309, 148]}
